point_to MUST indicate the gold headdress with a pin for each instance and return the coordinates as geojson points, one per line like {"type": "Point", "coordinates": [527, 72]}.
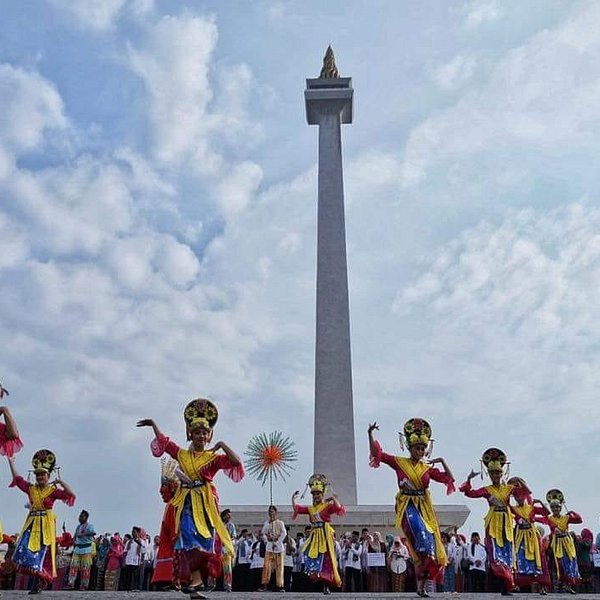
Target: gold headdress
{"type": "Point", "coordinates": [417, 431]}
{"type": "Point", "coordinates": [43, 461]}
{"type": "Point", "coordinates": [555, 497]}
{"type": "Point", "coordinates": [494, 459]}
{"type": "Point", "coordinates": [318, 483]}
{"type": "Point", "coordinates": [200, 413]}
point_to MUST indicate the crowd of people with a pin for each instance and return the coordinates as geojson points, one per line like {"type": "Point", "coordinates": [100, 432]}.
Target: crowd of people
{"type": "Point", "coordinates": [199, 549]}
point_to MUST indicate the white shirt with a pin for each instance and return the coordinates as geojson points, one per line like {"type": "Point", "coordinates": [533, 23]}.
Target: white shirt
{"type": "Point", "coordinates": [133, 552]}
{"type": "Point", "coordinates": [354, 556]}
{"type": "Point", "coordinates": [277, 530]}
{"type": "Point", "coordinates": [398, 556]}
{"type": "Point", "coordinates": [476, 553]}
{"type": "Point", "coordinates": [257, 561]}
{"type": "Point", "coordinates": [244, 550]}
{"type": "Point", "coordinates": [460, 552]}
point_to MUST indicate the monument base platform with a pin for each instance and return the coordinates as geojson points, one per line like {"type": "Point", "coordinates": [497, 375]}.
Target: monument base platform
{"type": "Point", "coordinates": [374, 517]}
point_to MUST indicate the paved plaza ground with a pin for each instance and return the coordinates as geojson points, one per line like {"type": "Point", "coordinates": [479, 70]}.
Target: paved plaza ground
{"type": "Point", "coordinates": [66, 595]}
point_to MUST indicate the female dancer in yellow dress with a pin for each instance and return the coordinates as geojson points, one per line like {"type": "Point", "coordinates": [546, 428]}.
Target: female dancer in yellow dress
{"type": "Point", "coordinates": [562, 547]}
{"type": "Point", "coordinates": [499, 524]}
{"type": "Point", "coordinates": [414, 510]}
{"type": "Point", "coordinates": [35, 552]}
{"type": "Point", "coordinates": [531, 565]}
{"type": "Point", "coordinates": [196, 502]}
{"type": "Point", "coordinates": [320, 562]}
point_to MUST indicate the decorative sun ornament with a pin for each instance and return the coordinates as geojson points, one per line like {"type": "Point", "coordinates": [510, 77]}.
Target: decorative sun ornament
{"type": "Point", "coordinates": [269, 457]}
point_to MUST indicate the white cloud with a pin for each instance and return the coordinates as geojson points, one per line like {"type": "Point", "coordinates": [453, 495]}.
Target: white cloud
{"type": "Point", "coordinates": [540, 95]}
{"type": "Point", "coordinates": [520, 300]}
{"type": "Point", "coordinates": [174, 64]}
{"type": "Point", "coordinates": [235, 189]}
{"type": "Point", "coordinates": [94, 14]}
{"type": "Point", "coordinates": [478, 12]}
{"type": "Point", "coordinates": [456, 73]}
{"type": "Point", "coordinates": [31, 106]}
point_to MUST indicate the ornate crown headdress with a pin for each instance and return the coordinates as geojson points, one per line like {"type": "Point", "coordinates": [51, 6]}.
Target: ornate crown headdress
{"type": "Point", "coordinates": [555, 497]}
{"type": "Point", "coordinates": [200, 413]}
{"type": "Point", "coordinates": [318, 483]}
{"type": "Point", "coordinates": [43, 461]}
{"type": "Point", "coordinates": [416, 431]}
{"type": "Point", "coordinates": [494, 459]}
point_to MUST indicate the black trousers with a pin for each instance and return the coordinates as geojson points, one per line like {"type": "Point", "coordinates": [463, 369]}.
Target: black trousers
{"type": "Point", "coordinates": [352, 580]}
{"type": "Point", "coordinates": [476, 580]}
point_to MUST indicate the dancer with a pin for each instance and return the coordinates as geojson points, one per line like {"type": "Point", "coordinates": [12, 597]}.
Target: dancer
{"type": "Point", "coordinates": [197, 520]}
{"type": "Point", "coordinates": [320, 562]}
{"type": "Point", "coordinates": [530, 557]}
{"type": "Point", "coordinates": [10, 443]}
{"type": "Point", "coordinates": [414, 510]}
{"type": "Point", "coordinates": [163, 575]}
{"type": "Point", "coordinates": [35, 553]}
{"type": "Point", "coordinates": [562, 547]}
{"type": "Point", "coordinates": [499, 535]}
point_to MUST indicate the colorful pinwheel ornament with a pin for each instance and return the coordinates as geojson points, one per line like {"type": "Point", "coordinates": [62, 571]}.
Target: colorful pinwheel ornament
{"type": "Point", "coordinates": [270, 457]}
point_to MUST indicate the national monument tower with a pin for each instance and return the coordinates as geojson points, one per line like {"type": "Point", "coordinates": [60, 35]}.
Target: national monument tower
{"type": "Point", "coordinates": [328, 102]}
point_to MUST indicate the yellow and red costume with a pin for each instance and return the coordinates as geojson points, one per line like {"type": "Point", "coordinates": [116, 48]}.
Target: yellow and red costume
{"type": "Point", "coordinates": [163, 569]}
{"type": "Point", "coordinates": [195, 504]}
{"type": "Point", "coordinates": [562, 546]}
{"type": "Point", "coordinates": [320, 561]}
{"type": "Point", "coordinates": [531, 564]}
{"type": "Point", "coordinates": [35, 552]}
{"type": "Point", "coordinates": [415, 514]}
{"type": "Point", "coordinates": [499, 523]}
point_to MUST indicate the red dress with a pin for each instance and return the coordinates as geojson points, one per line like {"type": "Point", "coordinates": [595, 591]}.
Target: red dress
{"type": "Point", "coordinates": [164, 572]}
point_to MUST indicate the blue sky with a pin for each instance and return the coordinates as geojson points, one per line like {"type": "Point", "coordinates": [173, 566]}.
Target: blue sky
{"type": "Point", "coordinates": [157, 234]}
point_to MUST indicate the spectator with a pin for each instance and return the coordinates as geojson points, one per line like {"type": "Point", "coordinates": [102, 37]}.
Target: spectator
{"type": "Point", "coordinates": [241, 574]}
{"type": "Point", "coordinates": [288, 561]}
{"type": "Point", "coordinates": [477, 558]}
{"type": "Point", "coordinates": [131, 567]}
{"type": "Point", "coordinates": [397, 557]}
{"type": "Point", "coordinates": [377, 573]}
{"type": "Point", "coordinates": [114, 557]}
{"type": "Point", "coordinates": [353, 570]}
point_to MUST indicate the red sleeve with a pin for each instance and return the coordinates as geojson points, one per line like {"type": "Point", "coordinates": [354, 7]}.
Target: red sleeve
{"type": "Point", "coordinates": [540, 518]}
{"type": "Point", "coordinates": [9, 446]}
{"type": "Point", "coordinates": [68, 499]}
{"type": "Point", "coordinates": [161, 444]}
{"type": "Point", "coordinates": [332, 509]}
{"type": "Point", "coordinates": [378, 456]}
{"type": "Point", "coordinates": [443, 477]}
{"type": "Point", "coordinates": [300, 509]}
{"type": "Point", "coordinates": [469, 492]}
{"type": "Point", "coordinates": [21, 483]}
{"type": "Point", "coordinates": [223, 463]}
{"type": "Point", "coordinates": [575, 518]}
{"type": "Point", "coordinates": [540, 511]}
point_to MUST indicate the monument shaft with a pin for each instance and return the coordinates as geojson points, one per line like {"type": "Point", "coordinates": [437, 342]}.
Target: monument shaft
{"type": "Point", "coordinates": [329, 103]}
